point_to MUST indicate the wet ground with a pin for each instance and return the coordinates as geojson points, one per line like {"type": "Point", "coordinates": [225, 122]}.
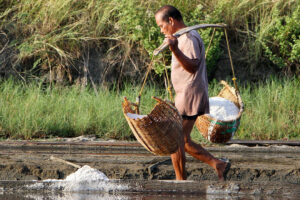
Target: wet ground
{"type": "Point", "coordinates": [263, 171]}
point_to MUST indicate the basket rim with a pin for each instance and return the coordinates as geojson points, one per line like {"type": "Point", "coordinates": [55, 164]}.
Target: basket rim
{"type": "Point", "coordinates": [159, 101]}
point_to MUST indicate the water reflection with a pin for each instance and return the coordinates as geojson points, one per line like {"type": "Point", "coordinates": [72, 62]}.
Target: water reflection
{"type": "Point", "coordinates": [93, 196]}
{"type": "Point", "coordinates": [139, 196]}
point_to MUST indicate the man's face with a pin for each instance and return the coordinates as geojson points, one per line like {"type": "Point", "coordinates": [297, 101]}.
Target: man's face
{"type": "Point", "coordinates": [165, 27]}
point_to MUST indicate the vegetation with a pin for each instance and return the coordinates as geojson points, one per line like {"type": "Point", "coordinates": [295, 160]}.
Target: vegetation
{"type": "Point", "coordinates": [41, 39]}
{"type": "Point", "coordinates": [272, 110]}
{"type": "Point", "coordinates": [55, 41]}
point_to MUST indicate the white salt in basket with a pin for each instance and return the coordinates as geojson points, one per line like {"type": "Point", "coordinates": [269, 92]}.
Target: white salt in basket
{"type": "Point", "coordinates": [221, 131]}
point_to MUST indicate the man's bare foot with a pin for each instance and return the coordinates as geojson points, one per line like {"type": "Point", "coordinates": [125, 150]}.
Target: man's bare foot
{"type": "Point", "coordinates": [222, 168]}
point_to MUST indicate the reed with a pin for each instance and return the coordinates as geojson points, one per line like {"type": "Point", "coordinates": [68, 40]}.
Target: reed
{"type": "Point", "coordinates": [272, 110]}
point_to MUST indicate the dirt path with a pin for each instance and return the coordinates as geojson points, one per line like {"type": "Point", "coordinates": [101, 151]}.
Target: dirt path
{"type": "Point", "coordinates": [22, 160]}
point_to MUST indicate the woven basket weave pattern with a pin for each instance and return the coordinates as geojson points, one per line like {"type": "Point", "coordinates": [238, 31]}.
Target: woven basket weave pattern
{"type": "Point", "coordinates": [221, 131]}
{"type": "Point", "coordinates": [159, 132]}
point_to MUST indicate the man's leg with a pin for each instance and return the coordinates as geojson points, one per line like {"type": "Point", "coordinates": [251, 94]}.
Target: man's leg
{"type": "Point", "coordinates": [178, 161]}
{"type": "Point", "coordinates": [198, 152]}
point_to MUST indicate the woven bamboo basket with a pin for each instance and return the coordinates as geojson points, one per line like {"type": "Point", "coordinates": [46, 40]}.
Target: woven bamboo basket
{"type": "Point", "coordinates": [159, 132]}
{"type": "Point", "coordinates": [219, 131]}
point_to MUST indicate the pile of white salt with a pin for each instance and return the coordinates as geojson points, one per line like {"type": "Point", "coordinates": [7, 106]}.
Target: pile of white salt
{"type": "Point", "coordinates": [222, 109]}
{"type": "Point", "coordinates": [87, 173]}
{"type": "Point", "coordinates": [85, 178]}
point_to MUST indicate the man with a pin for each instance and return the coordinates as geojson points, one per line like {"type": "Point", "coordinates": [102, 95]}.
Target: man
{"type": "Point", "coordinates": [189, 79]}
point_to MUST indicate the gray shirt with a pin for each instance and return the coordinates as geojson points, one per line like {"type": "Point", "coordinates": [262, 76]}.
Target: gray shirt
{"type": "Point", "coordinates": [191, 88]}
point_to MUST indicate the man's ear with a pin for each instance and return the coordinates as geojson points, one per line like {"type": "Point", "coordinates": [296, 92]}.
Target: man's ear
{"type": "Point", "coordinates": [171, 21]}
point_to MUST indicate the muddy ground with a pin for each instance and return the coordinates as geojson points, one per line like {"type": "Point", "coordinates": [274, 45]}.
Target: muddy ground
{"type": "Point", "coordinates": [24, 160]}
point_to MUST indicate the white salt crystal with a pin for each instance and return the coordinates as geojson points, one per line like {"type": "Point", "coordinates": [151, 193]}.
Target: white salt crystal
{"type": "Point", "coordinates": [135, 116]}
{"type": "Point", "coordinates": [90, 179]}
{"type": "Point", "coordinates": [84, 179]}
{"type": "Point", "coordinates": [76, 196]}
{"type": "Point", "coordinates": [86, 173]}
{"type": "Point", "coordinates": [222, 109]}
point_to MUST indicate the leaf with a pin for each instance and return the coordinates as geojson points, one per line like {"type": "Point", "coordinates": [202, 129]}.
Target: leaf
{"type": "Point", "coordinates": [38, 61]}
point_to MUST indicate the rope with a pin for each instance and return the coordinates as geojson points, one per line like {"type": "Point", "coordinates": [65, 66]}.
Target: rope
{"type": "Point", "coordinates": [146, 76]}
{"type": "Point", "coordinates": [168, 81]}
{"type": "Point", "coordinates": [166, 72]}
{"type": "Point", "coordinates": [229, 54]}
{"type": "Point", "coordinates": [138, 99]}
{"type": "Point", "coordinates": [211, 38]}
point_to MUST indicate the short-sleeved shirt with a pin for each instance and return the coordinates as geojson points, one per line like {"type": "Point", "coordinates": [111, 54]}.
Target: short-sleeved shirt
{"type": "Point", "coordinates": [191, 88]}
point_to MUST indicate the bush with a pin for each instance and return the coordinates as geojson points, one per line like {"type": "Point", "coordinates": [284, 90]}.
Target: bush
{"type": "Point", "coordinates": [282, 39]}
{"type": "Point", "coordinates": [52, 37]}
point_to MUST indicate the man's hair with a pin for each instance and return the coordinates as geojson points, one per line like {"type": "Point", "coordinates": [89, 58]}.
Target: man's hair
{"type": "Point", "coordinates": [169, 11]}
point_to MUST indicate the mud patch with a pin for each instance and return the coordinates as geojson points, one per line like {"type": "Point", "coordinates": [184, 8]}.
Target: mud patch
{"type": "Point", "coordinates": [130, 161]}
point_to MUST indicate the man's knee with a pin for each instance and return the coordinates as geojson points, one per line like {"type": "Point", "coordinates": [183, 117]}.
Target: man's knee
{"type": "Point", "coordinates": [187, 144]}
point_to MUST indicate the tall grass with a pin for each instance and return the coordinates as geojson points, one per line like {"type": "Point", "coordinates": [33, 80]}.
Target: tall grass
{"type": "Point", "coordinates": [31, 111]}
{"type": "Point", "coordinates": [272, 110]}
{"type": "Point", "coordinates": [56, 34]}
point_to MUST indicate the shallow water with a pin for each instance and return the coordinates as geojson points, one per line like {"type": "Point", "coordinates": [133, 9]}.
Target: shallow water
{"type": "Point", "coordinates": [91, 196]}
{"type": "Point", "coordinates": [79, 196]}
{"type": "Point", "coordinates": [144, 190]}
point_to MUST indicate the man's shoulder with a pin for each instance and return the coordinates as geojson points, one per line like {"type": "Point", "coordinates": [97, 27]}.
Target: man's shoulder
{"type": "Point", "coordinates": [193, 34]}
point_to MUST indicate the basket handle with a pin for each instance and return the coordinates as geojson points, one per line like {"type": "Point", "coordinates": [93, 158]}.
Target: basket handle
{"type": "Point", "coordinates": [136, 106]}
{"type": "Point", "coordinates": [157, 99]}
{"type": "Point", "coordinates": [231, 64]}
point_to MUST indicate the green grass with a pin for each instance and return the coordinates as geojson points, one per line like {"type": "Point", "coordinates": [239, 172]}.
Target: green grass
{"type": "Point", "coordinates": [30, 111]}
{"type": "Point", "coordinates": [272, 110]}
{"type": "Point", "coordinates": [50, 36]}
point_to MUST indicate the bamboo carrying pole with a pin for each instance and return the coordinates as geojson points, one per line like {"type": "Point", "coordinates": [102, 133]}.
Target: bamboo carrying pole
{"type": "Point", "coordinates": [185, 30]}
{"type": "Point", "coordinates": [64, 161]}
{"type": "Point", "coordinates": [164, 46]}
{"type": "Point", "coordinates": [200, 26]}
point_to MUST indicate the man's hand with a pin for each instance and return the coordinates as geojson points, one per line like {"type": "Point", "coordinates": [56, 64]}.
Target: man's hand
{"type": "Point", "coordinates": [190, 65]}
{"type": "Point", "coordinates": [172, 42]}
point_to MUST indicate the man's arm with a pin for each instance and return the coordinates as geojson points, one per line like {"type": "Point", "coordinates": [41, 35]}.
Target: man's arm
{"type": "Point", "coordinates": [190, 65]}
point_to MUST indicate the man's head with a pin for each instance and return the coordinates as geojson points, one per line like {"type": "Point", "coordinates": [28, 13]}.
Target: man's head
{"type": "Point", "coordinates": [169, 19]}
